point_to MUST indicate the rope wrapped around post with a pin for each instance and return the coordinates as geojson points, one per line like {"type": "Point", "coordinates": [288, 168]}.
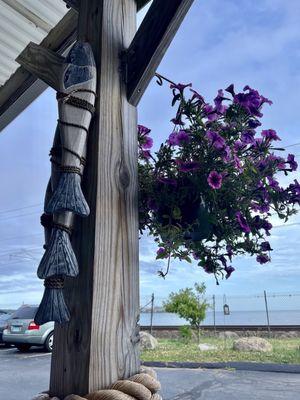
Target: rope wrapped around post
{"type": "Point", "coordinates": [142, 386]}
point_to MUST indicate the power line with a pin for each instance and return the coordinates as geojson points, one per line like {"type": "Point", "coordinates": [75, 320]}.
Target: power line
{"type": "Point", "coordinates": [292, 145]}
{"type": "Point", "coordinates": [21, 208]}
{"type": "Point", "coordinates": [19, 216]}
{"type": "Point", "coordinates": [21, 237]}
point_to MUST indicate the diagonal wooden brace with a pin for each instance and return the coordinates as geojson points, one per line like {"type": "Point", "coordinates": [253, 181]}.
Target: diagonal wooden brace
{"type": "Point", "coordinates": [150, 44]}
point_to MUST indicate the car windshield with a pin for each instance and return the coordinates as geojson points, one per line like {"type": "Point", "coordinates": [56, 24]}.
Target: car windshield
{"type": "Point", "coordinates": [25, 313]}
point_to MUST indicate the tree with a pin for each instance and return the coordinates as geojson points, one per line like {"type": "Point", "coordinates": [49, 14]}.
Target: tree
{"type": "Point", "coordinates": [189, 304]}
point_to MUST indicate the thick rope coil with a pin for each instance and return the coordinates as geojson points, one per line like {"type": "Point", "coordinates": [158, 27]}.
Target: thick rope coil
{"type": "Point", "coordinates": [70, 169]}
{"type": "Point", "coordinates": [56, 151]}
{"type": "Point", "coordinates": [54, 282]}
{"type": "Point", "coordinates": [137, 390]}
{"type": "Point", "coordinates": [145, 379]}
{"type": "Point", "coordinates": [136, 387]}
{"type": "Point", "coordinates": [47, 220]}
{"type": "Point", "coordinates": [73, 125]}
{"type": "Point", "coordinates": [75, 102]}
{"type": "Point", "coordinates": [62, 227]}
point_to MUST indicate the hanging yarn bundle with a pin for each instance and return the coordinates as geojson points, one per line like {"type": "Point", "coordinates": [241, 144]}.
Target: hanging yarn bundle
{"type": "Point", "coordinates": [142, 386]}
{"type": "Point", "coordinates": [64, 196]}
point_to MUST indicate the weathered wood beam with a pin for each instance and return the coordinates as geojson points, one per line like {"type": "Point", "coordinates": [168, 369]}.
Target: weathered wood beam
{"type": "Point", "coordinates": [23, 87]}
{"type": "Point", "coordinates": [150, 44]}
{"type": "Point", "coordinates": [100, 343]}
{"type": "Point", "coordinates": [43, 63]}
{"type": "Point", "coordinates": [75, 4]}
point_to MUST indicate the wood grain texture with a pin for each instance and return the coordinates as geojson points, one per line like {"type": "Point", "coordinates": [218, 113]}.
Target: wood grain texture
{"type": "Point", "coordinates": [100, 344]}
{"type": "Point", "coordinates": [151, 42]}
{"type": "Point", "coordinates": [14, 90]}
{"type": "Point", "coordinates": [43, 63]}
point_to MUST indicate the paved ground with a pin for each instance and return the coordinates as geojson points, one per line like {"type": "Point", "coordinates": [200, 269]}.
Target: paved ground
{"type": "Point", "coordinates": [24, 375]}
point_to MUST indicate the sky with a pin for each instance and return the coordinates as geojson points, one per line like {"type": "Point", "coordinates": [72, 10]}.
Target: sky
{"type": "Point", "coordinates": [220, 42]}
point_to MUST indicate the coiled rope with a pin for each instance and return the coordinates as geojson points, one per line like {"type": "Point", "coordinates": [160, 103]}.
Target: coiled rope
{"type": "Point", "coordinates": [142, 386]}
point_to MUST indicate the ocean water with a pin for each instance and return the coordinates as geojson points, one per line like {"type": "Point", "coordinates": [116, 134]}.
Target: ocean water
{"type": "Point", "coordinates": [283, 317]}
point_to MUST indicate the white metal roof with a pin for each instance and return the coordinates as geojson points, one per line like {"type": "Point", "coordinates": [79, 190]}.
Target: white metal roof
{"type": "Point", "coordinates": [22, 21]}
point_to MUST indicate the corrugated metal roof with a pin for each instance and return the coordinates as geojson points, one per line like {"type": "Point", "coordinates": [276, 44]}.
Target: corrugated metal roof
{"type": "Point", "coordinates": [22, 21]}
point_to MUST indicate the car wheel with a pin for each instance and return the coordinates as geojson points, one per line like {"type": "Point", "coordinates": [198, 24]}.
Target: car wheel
{"type": "Point", "coordinates": [23, 347]}
{"type": "Point", "coordinates": [49, 342]}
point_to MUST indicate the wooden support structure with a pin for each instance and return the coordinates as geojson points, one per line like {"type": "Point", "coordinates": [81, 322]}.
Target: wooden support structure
{"type": "Point", "coordinates": [36, 59]}
{"type": "Point", "coordinates": [100, 344]}
{"type": "Point", "coordinates": [23, 87]}
{"type": "Point", "coordinates": [151, 42]}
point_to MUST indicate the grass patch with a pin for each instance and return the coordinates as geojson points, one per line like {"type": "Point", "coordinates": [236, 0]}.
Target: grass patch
{"type": "Point", "coordinates": [285, 351]}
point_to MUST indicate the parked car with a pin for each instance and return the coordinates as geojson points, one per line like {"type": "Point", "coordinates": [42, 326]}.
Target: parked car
{"type": "Point", "coordinates": [4, 317]}
{"type": "Point", "coordinates": [23, 332]}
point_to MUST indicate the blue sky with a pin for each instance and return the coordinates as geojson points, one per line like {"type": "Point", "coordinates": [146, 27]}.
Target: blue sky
{"type": "Point", "coordinates": [220, 42]}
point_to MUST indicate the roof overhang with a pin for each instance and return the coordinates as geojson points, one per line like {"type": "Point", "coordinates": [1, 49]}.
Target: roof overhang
{"type": "Point", "coordinates": [22, 87]}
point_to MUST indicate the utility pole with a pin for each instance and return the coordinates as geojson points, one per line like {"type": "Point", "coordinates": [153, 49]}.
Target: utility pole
{"type": "Point", "coordinates": [267, 313]}
{"type": "Point", "coordinates": [152, 311]}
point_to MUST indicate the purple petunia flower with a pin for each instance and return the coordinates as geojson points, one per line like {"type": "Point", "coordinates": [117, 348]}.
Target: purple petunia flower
{"type": "Point", "coordinates": [247, 137]}
{"type": "Point", "coordinates": [177, 121]}
{"type": "Point", "coordinates": [145, 154]}
{"type": "Point", "coordinates": [180, 86]}
{"type": "Point", "coordinates": [162, 253]}
{"type": "Point", "coordinates": [270, 134]}
{"type": "Point", "coordinates": [262, 208]}
{"type": "Point", "coordinates": [215, 139]}
{"type": "Point", "coordinates": [143, 130]}
{"type": "Point", "coordinates": [251, 101]}
{"type": "Point", "coordinates": [210, 113]}
{"type": "Point", "coordinates": [242, 222]}
{"type": "Point", "coordinates": [167, 181]}
{"type": "Point", "coordinates": [237, 163]}
{"type": "Point", "coordinates": [294, 196]}
{"type": "Point", "coordinates": [215, 180]}
{"type": "Point", "coordinates": [238, 145]}
{"type": "Point", "coordinates": [226, 156]}
{"type": "Point", "coordinates": [273, 183]}
{"type": "Point", "coordinates": [262, 258]}
{"type": "Point", "coordinates": [178, 138]}
{"type": "Point", "coordinates": [267, 226]}
{"type": "Point", "coordinates": [219, 107]}
{"type": "Point", "coordinates": [223, 260]}
{"type": "Point", "coordinates": [229, 270]}
{"type": "Point", "coordinates": [254, 123]}
{"type": "Point", "coordinates": [187, 166]}
{"type": "Point", "coordinates": [292, 162]}
{"type": "Point", "coordinates": [197, 96]}
{"type": "Point", "coordinates": [265, 246]}
{"type": "Point", "coordinates": [147, 143]}
{"type": "Point", "coordinates": [230, 89]}
{"type": "Point", "coordinates": [229, 251]}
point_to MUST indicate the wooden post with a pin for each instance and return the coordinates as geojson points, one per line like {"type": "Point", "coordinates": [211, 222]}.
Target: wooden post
{"type": "Point", "coordinates": [100, 344]}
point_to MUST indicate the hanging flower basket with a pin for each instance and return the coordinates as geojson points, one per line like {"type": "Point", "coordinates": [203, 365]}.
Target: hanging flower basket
{"type": "Point", "coordinates": [209, 191]}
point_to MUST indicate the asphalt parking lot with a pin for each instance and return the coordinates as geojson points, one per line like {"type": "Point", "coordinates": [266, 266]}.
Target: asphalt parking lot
{"type": "Point", "coordinates": [23, 375]}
